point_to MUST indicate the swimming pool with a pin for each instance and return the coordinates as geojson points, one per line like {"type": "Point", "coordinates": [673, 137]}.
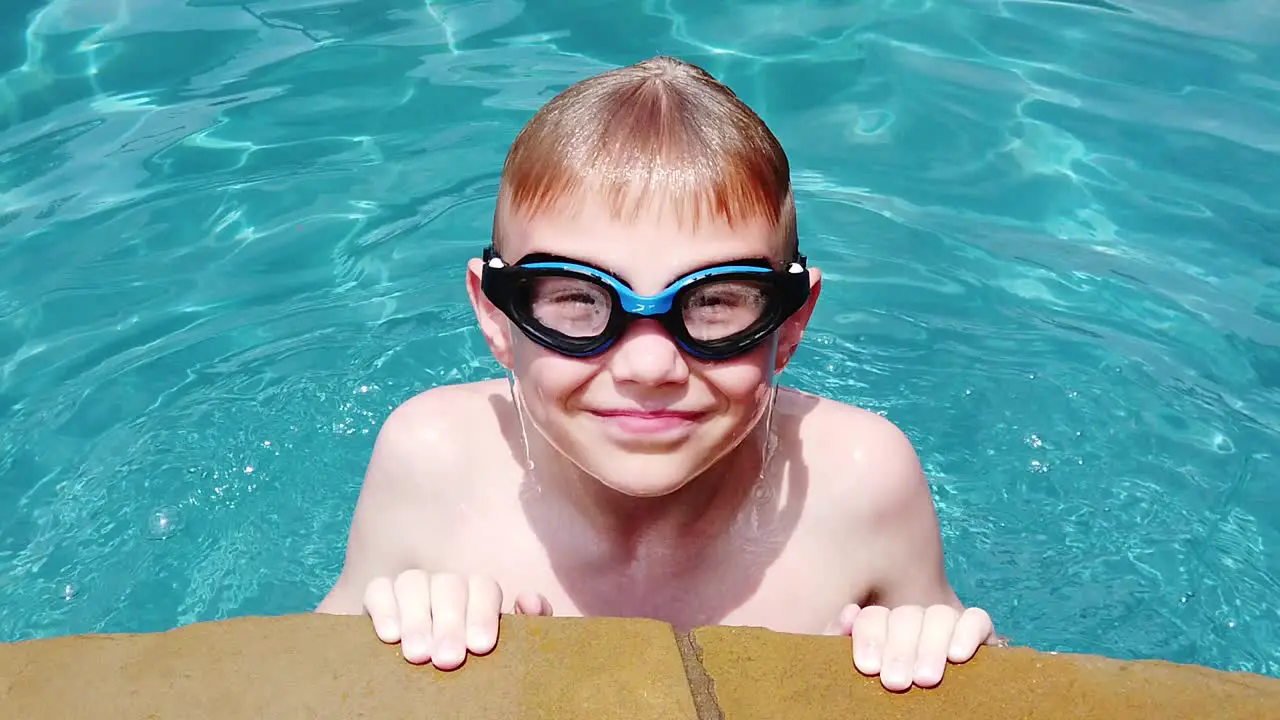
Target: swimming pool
{"type": "Point", "coordinates": [231, 236]}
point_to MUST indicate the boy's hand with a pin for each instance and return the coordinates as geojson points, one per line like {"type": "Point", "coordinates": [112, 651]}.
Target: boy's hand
{"type": "Point", "coordinates": [912, 644]}
{"type": "Point", "coordinates": [439, 618]}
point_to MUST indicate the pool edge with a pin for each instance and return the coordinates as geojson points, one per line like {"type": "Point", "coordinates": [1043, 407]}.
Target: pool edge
{"type": "Point", "coordinates": [311, 665]}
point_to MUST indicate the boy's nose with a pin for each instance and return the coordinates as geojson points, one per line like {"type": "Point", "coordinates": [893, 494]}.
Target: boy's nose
{"type": "Point", "coordinates": [647, 354]}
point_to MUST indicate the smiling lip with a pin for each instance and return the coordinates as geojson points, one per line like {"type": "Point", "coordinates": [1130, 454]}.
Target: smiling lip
{"type": "Point", "coordinates": [644, 423]}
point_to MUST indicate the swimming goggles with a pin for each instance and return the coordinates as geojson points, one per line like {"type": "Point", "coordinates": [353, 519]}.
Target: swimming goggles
{"type": "Point", "coordinates": [579, 310]}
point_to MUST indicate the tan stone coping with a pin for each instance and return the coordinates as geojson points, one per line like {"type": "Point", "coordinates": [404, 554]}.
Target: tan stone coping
{"type": "Point", "coordinates": [320, 666]}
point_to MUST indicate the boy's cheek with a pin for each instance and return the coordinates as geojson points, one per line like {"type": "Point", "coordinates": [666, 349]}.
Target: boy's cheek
{"type": "Point", "coordinates": [743, 397]}
{"type": "Point", "coordinates": [746, 377]}
{"type": "Point", "coordinates": [547, 376]}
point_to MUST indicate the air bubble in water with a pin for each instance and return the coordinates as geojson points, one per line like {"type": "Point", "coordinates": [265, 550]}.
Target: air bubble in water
{"type": "Point", "coordinates": [164, 522]}
{"type": "Point", "coordinates": [1223, 444]}
{"type": "Point", "coordinates": [69, 592]}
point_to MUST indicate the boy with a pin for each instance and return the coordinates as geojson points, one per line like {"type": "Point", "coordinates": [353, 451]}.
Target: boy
{"type": "Point", "coordinates": [644, 288]}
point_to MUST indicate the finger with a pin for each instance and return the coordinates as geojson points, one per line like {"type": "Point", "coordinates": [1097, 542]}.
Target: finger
{"type": "Point", "coordinates": [870, 628]}
{"type": "Point", "coordinates": [413, 605]}
{"type": "Point", "coordinates": [380, 604]}
{"type": "Point", "coordinates": [532, 604]}
{"type": "Point", "coordinates": [972, 629]}
{"type": "Point", "coordinates": [898, 669]}
{"type": "Point", "coordinates": [484, 605]}
{"type": "Point", "coordinates": [935, 643]}
{"type": "Point", "coordinates": [448, 620]}
{"type": "Point", "coordinates": [843, 623]}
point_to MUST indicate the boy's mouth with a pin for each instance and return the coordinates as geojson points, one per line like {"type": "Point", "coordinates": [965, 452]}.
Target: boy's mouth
{"type": "Point", "coordinates": [648, 422]}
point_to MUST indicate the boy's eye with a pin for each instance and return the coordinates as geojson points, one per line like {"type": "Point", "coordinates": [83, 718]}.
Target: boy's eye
{"type": "Point", "coordinates": [571, 306]}
{"type": "Point", "coordinates": [572, 296]}
{"type": "Point", "coordinates": [562, 291]}
{"type": "Point", "coordinates": [728, 297]}
{"type": "Point", "coordinates": [720, 310]}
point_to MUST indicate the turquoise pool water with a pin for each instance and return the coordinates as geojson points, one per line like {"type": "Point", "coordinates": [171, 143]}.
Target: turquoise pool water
{"type": "Point", "coordinates": [231, 236]}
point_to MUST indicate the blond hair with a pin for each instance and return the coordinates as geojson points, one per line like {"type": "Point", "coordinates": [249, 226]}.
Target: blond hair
{"type": "Point", "coordinates": [661, 129]}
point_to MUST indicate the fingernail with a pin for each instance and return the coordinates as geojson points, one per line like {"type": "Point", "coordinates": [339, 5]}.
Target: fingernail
{"type": "Point", "coordinates": [896, 674]}
{"type": "Point", "coordinates": [388, 632]}
{"type": "Point", "coordinates": [927, 676]}
{"type": "Point", "coordinates": [414, 649]}
{"type": "Point", "coordinates": [448, 656]}
{"type": "Point", "coordinates": [866, 661]}
{"type": "Point", "coordinates": [869, 651]}
{"type": "Point", "coordinates": [479, 640]}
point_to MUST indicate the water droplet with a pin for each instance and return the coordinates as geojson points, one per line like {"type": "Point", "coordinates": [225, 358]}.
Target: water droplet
{"type": "Point", "coordinates": [164, 522]}
{"type": "Point", "coordinates": [1039, 467]}
{"type": "Point", "coordinates": [248, 469]}
{"type": "Point", "coordinates": [69, 592]}
{"type": "Point", "coordinates": [1034, 440]}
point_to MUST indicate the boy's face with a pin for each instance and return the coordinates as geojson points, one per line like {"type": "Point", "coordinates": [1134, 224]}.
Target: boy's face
{"type": "Point", "coordinates": [644, 417]}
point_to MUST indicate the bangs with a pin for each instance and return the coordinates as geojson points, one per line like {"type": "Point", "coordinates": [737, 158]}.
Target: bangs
{"type": "Point", "coordinates": [695, 189]}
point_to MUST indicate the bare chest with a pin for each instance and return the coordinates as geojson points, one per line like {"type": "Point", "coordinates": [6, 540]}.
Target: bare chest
{"type": "Point", "coordinates": [790, 585]}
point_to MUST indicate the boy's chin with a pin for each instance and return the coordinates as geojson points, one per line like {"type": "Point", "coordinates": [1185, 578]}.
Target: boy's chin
{"type": "Point", "coordinates": [642, 476]}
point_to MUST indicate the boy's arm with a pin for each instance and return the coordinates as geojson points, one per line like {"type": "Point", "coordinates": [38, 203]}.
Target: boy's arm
{"type": "Point", "coordinates": [384, 535]}
{"type": "Point", "coordinates": [910, 567]}
{"type": "Point", "coordinates": [909, 558]}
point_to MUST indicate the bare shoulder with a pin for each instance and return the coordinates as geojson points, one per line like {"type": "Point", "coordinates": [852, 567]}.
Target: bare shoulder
{"type": "Point", "coordinates": [475, 400]}
{"type": "Point", "coordinates": [433, 434]}
{"type": "Point", "coordinates": [426, 455]}
{"type": "Point", "coordinates": [867, 490]}
{"type": "Point", "coordinates": [862, 457]}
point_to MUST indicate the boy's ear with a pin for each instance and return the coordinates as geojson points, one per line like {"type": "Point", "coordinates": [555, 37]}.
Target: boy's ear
{"type": "Point", "coordinates": [792, 331]}
{"type": "Point", "coordinates": [493, 324]}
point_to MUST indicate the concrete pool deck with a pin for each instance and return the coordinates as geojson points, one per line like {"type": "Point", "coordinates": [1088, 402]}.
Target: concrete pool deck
{"type": "Point", "coordinates": [320, 666]}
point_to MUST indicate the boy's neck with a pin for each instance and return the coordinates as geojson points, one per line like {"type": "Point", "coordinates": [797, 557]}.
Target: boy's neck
{"type": "Point", "coordinates": [703, 509]}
